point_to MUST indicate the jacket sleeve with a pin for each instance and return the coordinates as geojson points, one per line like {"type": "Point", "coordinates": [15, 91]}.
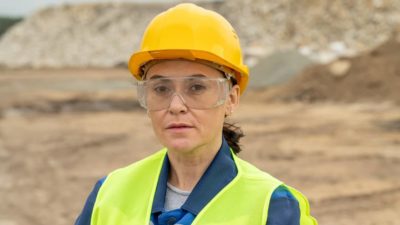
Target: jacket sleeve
{"type": "Point", "coordinates": [86, 214]}
{"type": "Point", "coordinates": [283, 208]}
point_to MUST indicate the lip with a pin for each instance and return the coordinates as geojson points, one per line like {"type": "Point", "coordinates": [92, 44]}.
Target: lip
{"type": "Point", "coordinates": [178, 126]}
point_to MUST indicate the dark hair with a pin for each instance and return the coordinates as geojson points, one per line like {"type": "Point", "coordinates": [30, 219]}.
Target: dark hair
{"type": "Point", "coordinates": [232, 134]}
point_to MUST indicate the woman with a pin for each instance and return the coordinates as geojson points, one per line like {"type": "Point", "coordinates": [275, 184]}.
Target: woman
{"type": "Point", "coordinates": [190, 78]}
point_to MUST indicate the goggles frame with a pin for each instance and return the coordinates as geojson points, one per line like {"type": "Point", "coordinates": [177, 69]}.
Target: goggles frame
{"type": "Point", "coordinates": [223, 88]}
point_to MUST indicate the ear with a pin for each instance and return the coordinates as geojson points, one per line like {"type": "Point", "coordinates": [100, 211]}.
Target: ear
{"type": "Point", "coordinates": [233, 100]}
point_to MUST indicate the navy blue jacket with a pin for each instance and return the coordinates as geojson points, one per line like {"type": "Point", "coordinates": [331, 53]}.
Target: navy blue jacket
{"type": "Point", "coordinates": [283, 209]}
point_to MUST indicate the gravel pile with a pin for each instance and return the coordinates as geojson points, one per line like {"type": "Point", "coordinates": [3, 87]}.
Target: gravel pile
{"type": "Point", "coordinates": [89, 35]}
{"type": "Point", "coordinates": [322, 29]}
{"type": "Point", "coordinates": [105, 34]}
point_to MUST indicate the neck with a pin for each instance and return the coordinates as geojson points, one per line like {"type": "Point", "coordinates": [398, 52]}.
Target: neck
{"type": "Point", "coordinates": [187, 168]}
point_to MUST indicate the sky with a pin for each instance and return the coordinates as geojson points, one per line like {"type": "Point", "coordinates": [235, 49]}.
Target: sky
{"type": "Point", "coordinates": [25, 7]}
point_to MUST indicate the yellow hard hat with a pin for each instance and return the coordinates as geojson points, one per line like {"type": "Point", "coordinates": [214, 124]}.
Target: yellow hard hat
{"type": "Point", "coordinates": [190, 32]}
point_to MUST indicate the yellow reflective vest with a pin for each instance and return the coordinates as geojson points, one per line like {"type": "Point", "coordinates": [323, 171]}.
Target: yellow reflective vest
{"type": "Point", "coordinates": [126, 196]}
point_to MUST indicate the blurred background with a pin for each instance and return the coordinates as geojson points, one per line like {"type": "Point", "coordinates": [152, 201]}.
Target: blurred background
{"type": "Point", "coordinates": [322, 112]}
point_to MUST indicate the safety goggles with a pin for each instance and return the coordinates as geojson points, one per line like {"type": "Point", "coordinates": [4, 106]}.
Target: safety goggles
{"type": "Point", "coordinates": [197, 92]}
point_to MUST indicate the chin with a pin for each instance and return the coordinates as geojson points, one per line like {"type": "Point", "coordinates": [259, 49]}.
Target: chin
{"type": "Point", "coordinates": [181, 145]}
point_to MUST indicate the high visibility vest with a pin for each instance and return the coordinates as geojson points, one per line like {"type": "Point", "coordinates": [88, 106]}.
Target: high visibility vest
{"type": "Point", "coordinates": [127, 195]}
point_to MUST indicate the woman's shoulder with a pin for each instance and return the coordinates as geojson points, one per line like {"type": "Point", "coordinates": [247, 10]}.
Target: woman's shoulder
{"type": "Point", "coordinates": [283, 192]}
{"type": "Point", "coordinates": [283, 208]}
{"type": "Point", "coordinates": [86, 214]}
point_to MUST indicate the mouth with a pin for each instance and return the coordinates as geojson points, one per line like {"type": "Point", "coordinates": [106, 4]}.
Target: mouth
{"type": "Point", "coordinates": [178, 126]}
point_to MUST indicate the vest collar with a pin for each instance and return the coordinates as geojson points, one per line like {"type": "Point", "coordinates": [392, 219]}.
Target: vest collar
{"type": "Point", "coordinates": [220, 172]}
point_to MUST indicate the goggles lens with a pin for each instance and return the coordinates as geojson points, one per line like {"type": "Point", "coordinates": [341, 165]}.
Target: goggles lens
{"type": "Point", "coordinates": [195, 92]}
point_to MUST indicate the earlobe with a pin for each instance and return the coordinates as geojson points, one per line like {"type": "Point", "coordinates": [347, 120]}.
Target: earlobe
{"type": "Point", "coordinates": [228, 111]}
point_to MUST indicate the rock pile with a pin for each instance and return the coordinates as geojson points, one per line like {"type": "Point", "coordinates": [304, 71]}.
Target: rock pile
{"type": "Point", "coordinates": [89, 35]}
{"type": "Point", "coordinates": [322, 29]}
{"type": "Point", "coordinates": [105, 34]}
{"type": "Point", "coordinates": [373, 77]}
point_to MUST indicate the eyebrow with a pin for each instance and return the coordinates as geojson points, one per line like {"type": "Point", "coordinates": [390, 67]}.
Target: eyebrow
{"type": "Point", "coordinates": [157, 76]}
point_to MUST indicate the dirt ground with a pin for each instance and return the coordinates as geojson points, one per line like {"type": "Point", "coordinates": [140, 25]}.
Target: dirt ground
{"type": "Point", "coordinates": [61, 130]}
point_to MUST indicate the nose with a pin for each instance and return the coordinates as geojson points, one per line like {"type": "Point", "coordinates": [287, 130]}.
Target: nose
{"type": "Point", "coordinates": [177, 104]}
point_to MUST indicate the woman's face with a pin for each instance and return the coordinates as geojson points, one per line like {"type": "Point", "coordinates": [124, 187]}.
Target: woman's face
{"type": "Point", "coordinates": [181, 128]}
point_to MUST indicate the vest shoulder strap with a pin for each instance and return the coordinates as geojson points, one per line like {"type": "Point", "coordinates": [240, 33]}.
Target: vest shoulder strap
{"type": "Point", "coordinates": [126, 196]}
{"type": "Point", "coordinates": [246, 199]}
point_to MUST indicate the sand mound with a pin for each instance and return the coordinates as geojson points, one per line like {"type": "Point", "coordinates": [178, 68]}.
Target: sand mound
{"type": "Point", "coordinates": [373, 76]}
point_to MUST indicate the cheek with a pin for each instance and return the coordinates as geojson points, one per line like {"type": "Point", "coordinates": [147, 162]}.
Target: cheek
{"type": "Point", "coordinates": [211, 122]}
{"type": "Point", "coordinates": [156, 119]}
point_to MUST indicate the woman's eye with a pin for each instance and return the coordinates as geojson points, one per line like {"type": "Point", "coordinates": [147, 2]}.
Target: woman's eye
{"type": "Point", "coordinates": [161, 89]}
{"type": "Point", "coordinates": [197, 88]}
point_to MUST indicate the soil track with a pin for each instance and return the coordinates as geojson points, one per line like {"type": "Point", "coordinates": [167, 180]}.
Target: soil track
{"type": "Point", "coordinates": [61, 130]}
